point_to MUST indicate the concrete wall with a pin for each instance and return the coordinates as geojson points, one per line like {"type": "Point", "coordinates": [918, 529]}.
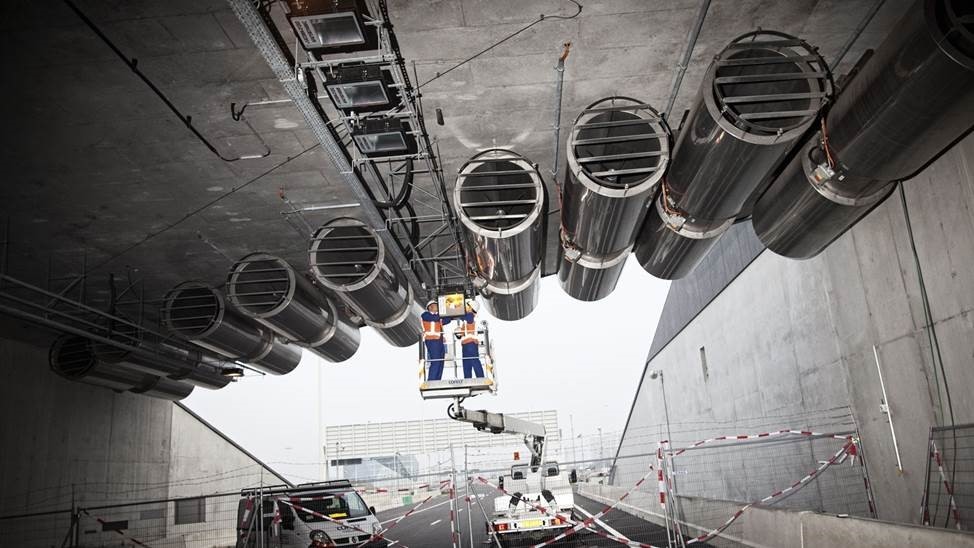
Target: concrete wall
{"type": "Point", "coordinates": [789, 343]}
{"type": "Point", "coordinates": [764, 527]}
{"type": "Point", "coordinates": [64, 441]}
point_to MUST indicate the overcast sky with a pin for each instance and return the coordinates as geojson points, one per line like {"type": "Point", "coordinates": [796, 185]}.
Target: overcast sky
{"type": "Point", "coordinates": [581, 359]}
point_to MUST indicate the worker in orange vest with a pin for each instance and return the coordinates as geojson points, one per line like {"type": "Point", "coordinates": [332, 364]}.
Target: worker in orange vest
{"type": "Point", "coordinates": [469, 342]}
{"type": "Point", "coordinates": [433, 339]}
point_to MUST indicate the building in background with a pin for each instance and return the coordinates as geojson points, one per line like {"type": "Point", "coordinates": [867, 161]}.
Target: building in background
{"type": "Point", "coordinates": [421, 448]}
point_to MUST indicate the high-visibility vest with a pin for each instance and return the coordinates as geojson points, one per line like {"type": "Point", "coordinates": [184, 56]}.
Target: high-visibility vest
{"type": "Point", "coordinates": [433, 330]}
{"type": "Point", "coordinates": [469, 330]}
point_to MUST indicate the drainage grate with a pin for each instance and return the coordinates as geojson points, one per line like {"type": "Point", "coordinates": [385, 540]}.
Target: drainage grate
{"type": "Point", "coordinates": [498, 190]}
{"type": "Point", "coordinates": [621, 143]}
{"type": "Point", "coordinates": [260, 283]}
{"type": "Point", "coordinates": [71, 356]}
{"type": "Point", "coordinates": [191, 309]}
{"type": "Point", "coordinates": [344, 252]}
{"type": "Point", "coordinates": [768, 83]}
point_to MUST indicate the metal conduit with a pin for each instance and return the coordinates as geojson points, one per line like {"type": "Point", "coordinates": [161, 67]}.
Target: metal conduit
{"type": "Point", "coordinates": [199, 314]}
{"type": "Point", "coordinates": [617, 153]}
{"type": "Point", "coordinates": [500, 200]}
{"type": "Point", "coordinates": [73, 358]}
{"type": "Point", "coordinates": [760, 94]}
{"type": "Point", "coordinates": [348, 257]}
{"type": "Point", "coordinates": [271, 292]}
{"type": "Point", "coordinates": [908, 103]}
{"type": "Point", "coordinates": [166, 360]}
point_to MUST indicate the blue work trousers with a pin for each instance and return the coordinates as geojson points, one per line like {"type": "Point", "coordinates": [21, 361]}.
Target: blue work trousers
{"type": "Point", "coordinates": [435, 352]}
{"type": "Point", "coordinates": [471, 360]}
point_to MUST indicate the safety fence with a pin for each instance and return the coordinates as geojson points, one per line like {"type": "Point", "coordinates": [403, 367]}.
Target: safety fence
{"type": "Point", "coordinates": [948, 499]}
{"type": "Point", "coordinates": [701, 489]}
{"type": "Point", "coordinates": [209, 520]}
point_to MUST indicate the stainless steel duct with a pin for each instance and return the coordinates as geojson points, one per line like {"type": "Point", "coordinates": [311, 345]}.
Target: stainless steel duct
{"type": "Point", "coordinates": [199, 314]}
{"type": "Point", "coordinates": [617, 153]}
{"type": "Point", "coordinates": [909, 102]}
{"type": "Point", "coordinates": [348, 257]}
{"type": "Point", "coordinates": [759, 95]}
{"type": "Point", "coordinates": [166, 360]}
{"type": "Point", "coordinates": [273, 293]}
{"type": "Point", "coordinates": [73, 358]}
{"type": "Point", "coordinates": [500, 199]}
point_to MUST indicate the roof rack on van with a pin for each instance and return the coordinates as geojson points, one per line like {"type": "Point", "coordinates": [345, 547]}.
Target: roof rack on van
{"type": "Point", "coordinates": [302, 488]}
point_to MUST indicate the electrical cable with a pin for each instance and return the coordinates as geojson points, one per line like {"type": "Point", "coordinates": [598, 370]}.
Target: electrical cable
{"type": "Point", "coordinates": [203, 207]}
{"type": "Point", "coordinates": [187, 121]}
{"type": "Point", "coordinates": [932, 337]}
{"type": "Point", "coordinates": [404, 192]}
{"type": "Point", "coordinates": [540, 19]}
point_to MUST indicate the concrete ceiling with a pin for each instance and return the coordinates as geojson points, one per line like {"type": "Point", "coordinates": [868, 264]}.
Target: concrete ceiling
{"type": "Point", "coordinates": [93, 162]}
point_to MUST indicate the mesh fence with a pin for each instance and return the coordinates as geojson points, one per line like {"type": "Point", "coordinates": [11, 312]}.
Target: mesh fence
{"type": "Point", "coordinates": [209, 520]}
{"type": "Point", "coordinates": [711, 478]}
{"type": "Point", "coordinates": [948, 499]}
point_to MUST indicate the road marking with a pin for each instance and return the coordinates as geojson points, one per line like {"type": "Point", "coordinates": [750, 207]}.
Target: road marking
{"type": "Point", "coordinates": [435, 522]}
{"type": "Point", "coordinates": [416, 512]}
{"type": "Point", "coordinates": [602, 524]}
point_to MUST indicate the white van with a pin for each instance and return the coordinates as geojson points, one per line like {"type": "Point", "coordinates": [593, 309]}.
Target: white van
{"type": "Point", "coordinates": [287, 517]}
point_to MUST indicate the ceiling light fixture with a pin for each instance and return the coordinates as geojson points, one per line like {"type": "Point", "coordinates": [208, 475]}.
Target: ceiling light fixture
{"type": "Point", "coordinates": [332, 26]}
{"type": "Point", "coordinates": [377, 137]}
{"type": "Point", "coordinates": [363, 88]}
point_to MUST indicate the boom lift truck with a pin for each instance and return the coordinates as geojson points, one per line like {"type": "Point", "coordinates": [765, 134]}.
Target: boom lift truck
{"type": "Point", "coordinates": [540, 482]}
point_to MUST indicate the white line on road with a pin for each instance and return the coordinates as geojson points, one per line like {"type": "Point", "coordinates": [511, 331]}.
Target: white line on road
{"type": "Point", "coordinates": [602, 524]}
{"type": "Point", "coordinates": [435, 522]}
{"type": "Point", "coordinates": [416, 512]}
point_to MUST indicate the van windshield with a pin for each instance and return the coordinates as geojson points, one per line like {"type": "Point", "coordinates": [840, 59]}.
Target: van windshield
{"type": "Point", "coordinates": [343, 506]}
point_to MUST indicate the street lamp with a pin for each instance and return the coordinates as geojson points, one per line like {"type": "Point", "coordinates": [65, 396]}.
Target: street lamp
{"type": "Point", "coordinates": [658, 374]}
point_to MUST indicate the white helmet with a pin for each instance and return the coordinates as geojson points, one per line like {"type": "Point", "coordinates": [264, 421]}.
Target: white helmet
{"type": "Point", "coordinates": [429, 304]}
{"type": "Point", "coordinates": [472, 304]}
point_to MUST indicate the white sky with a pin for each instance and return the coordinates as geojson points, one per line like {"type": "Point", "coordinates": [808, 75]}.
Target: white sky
{"type": "Point", "coordinates": [579, 358]}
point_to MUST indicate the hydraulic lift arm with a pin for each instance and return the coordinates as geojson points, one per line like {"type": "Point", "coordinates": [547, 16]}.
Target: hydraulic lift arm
{"type": "Point", "coordinates": [498, 423]}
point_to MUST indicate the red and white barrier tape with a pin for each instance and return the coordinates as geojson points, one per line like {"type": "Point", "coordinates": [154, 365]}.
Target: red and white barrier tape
{"type": "Point", "coordinates": [380, 490]}
{"type": "Point", "coordinates": [806, 433]}
{"type": "Point", "coordinates": [119, 531]}
{"type": "Point", "coordinates": [950, 490]}
{"type": "Point", "coordinates": [453, 526]}
{"type": "Point", "coordinates": [848, 449]}
{"type": "Point", "coordinates": [397, 520]}
{"type": "Point", "coordinates": [299, 508]}
{"type": "Point", "coordinates": [660, 480]}
{"type": "Point", "coordinates": [588, 521]}
{"type": "Point", "coordinates": [586, 524]}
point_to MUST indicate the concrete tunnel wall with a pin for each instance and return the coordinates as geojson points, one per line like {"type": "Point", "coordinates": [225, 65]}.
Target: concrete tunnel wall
{"type": "Point", "coordinates": [65, 439]}
{"type": "Point", "coordinates": [789, 343]}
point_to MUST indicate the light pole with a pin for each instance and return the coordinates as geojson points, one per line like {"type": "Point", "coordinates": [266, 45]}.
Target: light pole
{"type": "Point", "coordinates": [601, 448]}
{"type": "Point", "coordinates": [678, 529]}
{"type": "Point", "coordinates": [571, 421]}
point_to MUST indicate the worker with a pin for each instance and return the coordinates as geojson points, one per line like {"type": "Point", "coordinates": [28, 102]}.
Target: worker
{"type": "Point", "coordinates": [433, 339]}
{"type": "Point", "coordinates": [469, 342]}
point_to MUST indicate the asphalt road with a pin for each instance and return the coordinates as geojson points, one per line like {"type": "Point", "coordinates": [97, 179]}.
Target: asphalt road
{"type": "Point", "coordinates": [429, 527]}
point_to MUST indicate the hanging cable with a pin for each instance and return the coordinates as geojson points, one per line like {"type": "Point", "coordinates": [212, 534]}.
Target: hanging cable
{"type": "Point", "coordinates": [187, 120]}
{"type": "Point", "coordinates": [404, 191]}
{"type": "Point", "coordinates": [934, 340]}
{"type": "Point", "coordinates": [540, 18]}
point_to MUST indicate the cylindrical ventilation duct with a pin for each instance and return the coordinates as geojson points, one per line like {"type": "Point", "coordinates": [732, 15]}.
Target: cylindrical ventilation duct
{"type": "Point", "coordinates": [348, 257]}
{"type": "Point", "coordinates": [73, 358]}
{"type": "Point", "coordinates": [910, 101]}
{"type": "Point", "coordinates": [166, 361]}
{"type": "Point", "coordinates": [199, 314]}
{"type": "Point", "coordinates": [499, 198]}
{"type": "Point", "coordinates": [760, 94]}
{"type": "Point", "coordinates": [617, 153]}
{"type": "Point", "coordinates": [272, 292]}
